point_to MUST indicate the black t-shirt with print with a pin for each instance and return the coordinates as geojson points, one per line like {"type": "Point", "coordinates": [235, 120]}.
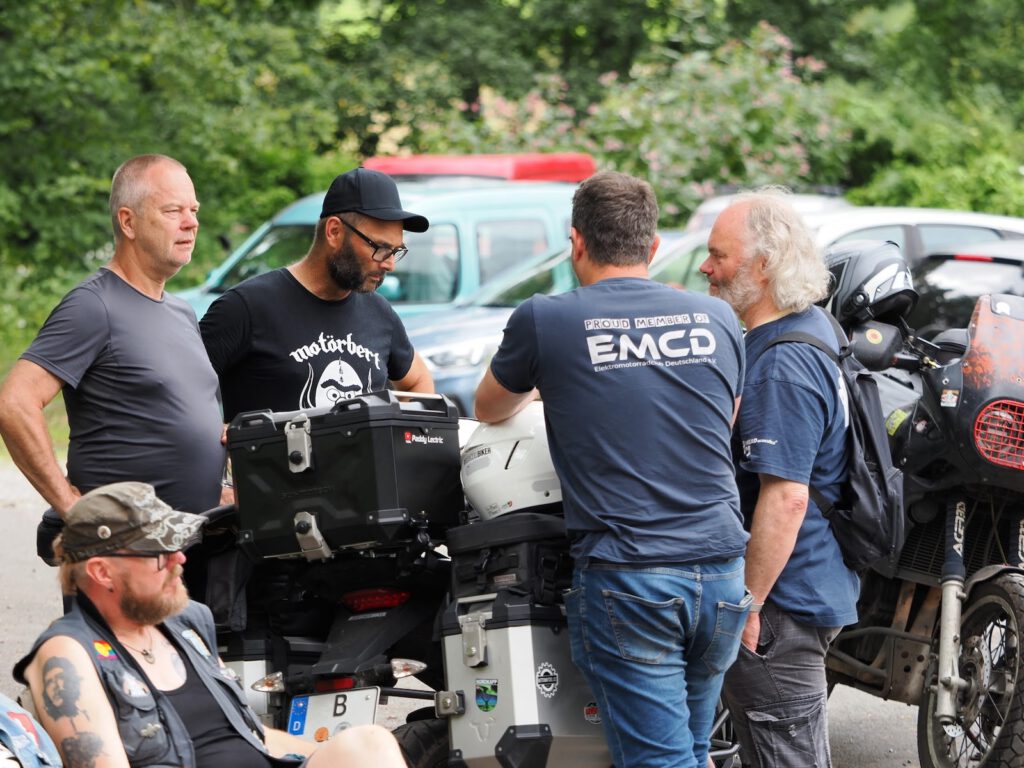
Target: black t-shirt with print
{"type": "Point", "coordinates": [276, 346]}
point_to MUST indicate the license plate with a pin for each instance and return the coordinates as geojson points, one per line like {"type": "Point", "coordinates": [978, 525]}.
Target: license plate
{"type": "Point", "coordinates": [322, 715]}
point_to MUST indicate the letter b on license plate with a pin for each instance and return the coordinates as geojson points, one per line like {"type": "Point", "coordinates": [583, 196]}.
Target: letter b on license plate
{"type": "Point", "coordinates": [320, 716]}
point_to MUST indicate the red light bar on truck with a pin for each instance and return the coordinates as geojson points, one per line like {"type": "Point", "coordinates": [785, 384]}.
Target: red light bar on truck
{"type": "Point", "coordinates": [559, 166]}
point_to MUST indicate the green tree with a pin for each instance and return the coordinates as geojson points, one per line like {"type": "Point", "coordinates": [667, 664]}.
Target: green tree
{"type": "Point", "coordinates": [228, 87]}
{"type": "Point", "coordinates": [744, 114]}
{"type": "Point", "coordinates": [418, 58]}
{"type": "Point", "coordinates": [908, 148]}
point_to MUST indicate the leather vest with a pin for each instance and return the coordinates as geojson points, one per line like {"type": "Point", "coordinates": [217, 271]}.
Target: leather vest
{"type": "Point", "coordinates": [152, 732]}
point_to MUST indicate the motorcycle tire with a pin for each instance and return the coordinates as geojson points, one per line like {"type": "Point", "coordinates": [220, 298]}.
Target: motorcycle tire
{"type": "Point", "coordinates": [989, 730]}
{"type": "Point", "coordinates": [424, 743]}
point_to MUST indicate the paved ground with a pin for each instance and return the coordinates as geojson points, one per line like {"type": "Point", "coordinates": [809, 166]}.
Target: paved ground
{"type": "Point", "coordinates": [864, 732]}
{"type": "Point", "coordinates": [29, 596]}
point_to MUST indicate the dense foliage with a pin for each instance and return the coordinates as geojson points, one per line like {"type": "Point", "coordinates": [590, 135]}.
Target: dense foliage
{"type": "Point", "coordinates": [905, 102]}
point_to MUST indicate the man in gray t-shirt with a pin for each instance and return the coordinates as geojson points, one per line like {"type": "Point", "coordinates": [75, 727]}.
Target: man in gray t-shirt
{"type": "Point", "coordinates": [140, 393]}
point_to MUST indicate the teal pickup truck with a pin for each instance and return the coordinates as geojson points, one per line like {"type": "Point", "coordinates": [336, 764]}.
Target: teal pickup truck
{"type": "Point", "coordinates": [487, 218]}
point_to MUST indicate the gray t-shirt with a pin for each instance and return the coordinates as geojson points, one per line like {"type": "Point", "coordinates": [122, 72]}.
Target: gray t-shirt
{"type": "Point", "coordinates": [140, 393]}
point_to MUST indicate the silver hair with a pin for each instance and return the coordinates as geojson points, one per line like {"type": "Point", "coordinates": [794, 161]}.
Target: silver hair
{"type": "Point", "coordinates": [128, 188]}
{"type": "Point", "coordinates": [795, 268]}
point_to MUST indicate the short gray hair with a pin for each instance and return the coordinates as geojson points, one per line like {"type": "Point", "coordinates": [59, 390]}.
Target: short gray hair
{"type": "Point", "coordinates": [617, 216]}
{"type": "Point", "coordinates": [128, 189]}
{"type": "Point", "coordinates": [796, 271]}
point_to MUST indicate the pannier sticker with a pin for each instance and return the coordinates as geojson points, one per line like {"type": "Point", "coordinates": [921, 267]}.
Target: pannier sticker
{"type": "Point", "coordinates": [411, 438]}
{"type": "Point", "coordinates": [895, 420]}
{"type": "Point", "coordinates": [950, 397]}
{"type": "Point", "coordinates": [547, 680]}
{"type": "Point", "coordinates": [873, 335]}
{"type": "Point", "coordinates": [591, 713]}
{"type": "Point", "coordinates": [486, 694]}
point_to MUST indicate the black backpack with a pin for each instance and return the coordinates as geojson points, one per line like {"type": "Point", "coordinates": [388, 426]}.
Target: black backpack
{"type": "Point", "coordinates": [867, 521]}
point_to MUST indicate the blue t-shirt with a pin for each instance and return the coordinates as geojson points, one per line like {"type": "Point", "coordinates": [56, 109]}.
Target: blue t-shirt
{"type": "Point", "coordinates": [792, 425]}
{"type": "Point", "coordinates": [639, 383]}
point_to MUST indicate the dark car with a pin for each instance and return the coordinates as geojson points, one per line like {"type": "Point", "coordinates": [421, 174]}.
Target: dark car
{"type": "Point", "coordinates": [950, 281]}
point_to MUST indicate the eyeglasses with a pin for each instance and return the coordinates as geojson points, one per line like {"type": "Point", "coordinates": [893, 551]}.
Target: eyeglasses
{"type": "Point", "coordinates": [160, 557]}
{"type": "Point", "coordinates": [389, 253]}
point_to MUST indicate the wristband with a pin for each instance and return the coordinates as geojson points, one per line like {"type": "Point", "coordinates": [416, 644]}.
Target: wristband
{"type": "Point", "coordinates": [756, 607]}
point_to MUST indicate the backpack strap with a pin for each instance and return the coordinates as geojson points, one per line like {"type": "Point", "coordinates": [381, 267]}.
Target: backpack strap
{"type": "Point", "coordinates": [800, 337]}
{"type": "Point", "coordinates": [804, 338]}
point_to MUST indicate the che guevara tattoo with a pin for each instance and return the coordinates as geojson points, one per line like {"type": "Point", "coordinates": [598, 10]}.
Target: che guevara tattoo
{"type": "Point", "coordinates": [62, 688]}
{"type": "Point", "coordinates": [62, 691]}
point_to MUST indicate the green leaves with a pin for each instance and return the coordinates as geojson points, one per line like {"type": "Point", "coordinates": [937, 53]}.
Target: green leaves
{"type": "Point", "coordinates": [901, 102]}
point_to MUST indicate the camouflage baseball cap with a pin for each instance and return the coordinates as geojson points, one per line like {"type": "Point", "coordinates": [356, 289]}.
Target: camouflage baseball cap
{"type": "Point", "coordinates": [126, 516]}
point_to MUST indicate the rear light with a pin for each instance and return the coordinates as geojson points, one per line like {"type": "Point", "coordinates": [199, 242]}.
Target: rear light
{"type": "Point", "coordinates": [967, 257]}
{"type": "Point", "coordinates": [334, 684]}
{"type": "Point", "coordinates": [374, 599]}
{"type": "Point", "coordinates": [999, 433]}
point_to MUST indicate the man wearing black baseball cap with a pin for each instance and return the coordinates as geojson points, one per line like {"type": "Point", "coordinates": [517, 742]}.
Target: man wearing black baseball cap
{"type": "Point", "coordinates": [131, 674]}
{"type": "Point", "coordinates": [315, 332]}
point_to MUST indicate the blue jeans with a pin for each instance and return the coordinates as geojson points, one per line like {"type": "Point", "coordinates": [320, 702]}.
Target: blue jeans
{"type": "Point", "coordinates": [654, 644]}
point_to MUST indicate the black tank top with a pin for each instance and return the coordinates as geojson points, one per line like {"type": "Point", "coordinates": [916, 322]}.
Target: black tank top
{"type": "Point", "coordinates": [216, 743]}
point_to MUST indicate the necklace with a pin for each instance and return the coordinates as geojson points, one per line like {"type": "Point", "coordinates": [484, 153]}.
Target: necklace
{"type": "Point", "coordinates": [147, 653]}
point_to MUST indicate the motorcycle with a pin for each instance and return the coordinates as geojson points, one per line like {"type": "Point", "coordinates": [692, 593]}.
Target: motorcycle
{"type": "Point", "coordinates": [326, 577]}
{"type": "Point", "coordinates": [329, 585]}
{"type": "Point", "coordinates": [941, 624]}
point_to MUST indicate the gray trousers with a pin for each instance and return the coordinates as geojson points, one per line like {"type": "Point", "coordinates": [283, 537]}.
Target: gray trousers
{"type": "Point", "coordinates": [777, 695]}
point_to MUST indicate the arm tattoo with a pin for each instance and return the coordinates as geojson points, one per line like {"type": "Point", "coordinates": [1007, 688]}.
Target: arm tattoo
{"type": "Point", "coordinates": [62, 688]}
{"type": "Point", "coordinates": [81, 750]}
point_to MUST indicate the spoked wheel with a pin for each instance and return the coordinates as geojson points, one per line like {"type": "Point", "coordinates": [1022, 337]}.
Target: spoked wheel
{"type": "Point", "coordinates": [989, 727]}
{"type": "Point", "coordinates": [424, 743]}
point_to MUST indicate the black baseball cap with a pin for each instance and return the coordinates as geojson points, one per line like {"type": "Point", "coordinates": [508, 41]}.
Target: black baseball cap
{"type": "Point", "coordinates": [373, 194]}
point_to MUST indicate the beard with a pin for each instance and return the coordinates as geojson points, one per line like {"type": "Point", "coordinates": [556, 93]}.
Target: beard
{"type": "Point", "coordinates": [348, 274]}
{"type": "Point", "coordinates": [741, 292]}
{"type": "Point", "coordinates": [153, 609]}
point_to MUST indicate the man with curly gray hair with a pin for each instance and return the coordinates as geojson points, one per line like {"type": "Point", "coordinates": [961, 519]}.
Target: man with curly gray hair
{"type": "Point", "coordinates": [790, 436]}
